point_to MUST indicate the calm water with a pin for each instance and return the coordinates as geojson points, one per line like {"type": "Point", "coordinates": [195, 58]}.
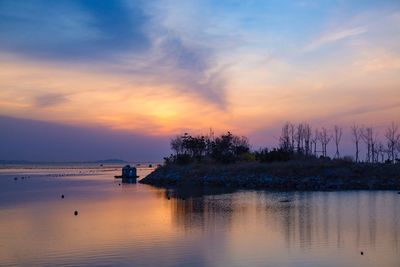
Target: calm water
{"type": "Point", "coordinates": [139, 225]}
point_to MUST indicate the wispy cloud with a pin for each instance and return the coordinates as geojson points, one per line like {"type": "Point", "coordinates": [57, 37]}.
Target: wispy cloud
{"type": "Point", "coordinates": [49, 99]}
{"type": "Point", "coordinates": [117, 36]}
{"type": "Point", "coordinates": [334, 36]}
{"type": "Point", "coordinates": [361, 110]}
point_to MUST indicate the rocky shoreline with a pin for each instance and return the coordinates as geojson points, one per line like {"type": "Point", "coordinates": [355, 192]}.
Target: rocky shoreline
{"type": "Point", "coordinates": [292, 175]}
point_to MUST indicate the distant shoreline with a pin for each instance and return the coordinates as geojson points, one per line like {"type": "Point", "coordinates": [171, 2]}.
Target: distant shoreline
{"type": "Point", "coordinates": [105, 161]}
{"type": "Point", "coordinates": [290, 175]}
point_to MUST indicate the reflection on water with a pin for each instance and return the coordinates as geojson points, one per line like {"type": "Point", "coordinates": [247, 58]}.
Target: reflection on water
{"type": "Point", "coordinates": [139, 225]}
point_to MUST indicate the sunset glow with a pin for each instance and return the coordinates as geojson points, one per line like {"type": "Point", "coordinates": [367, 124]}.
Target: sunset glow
{"type": "Point", "coordinates": [232, 65]}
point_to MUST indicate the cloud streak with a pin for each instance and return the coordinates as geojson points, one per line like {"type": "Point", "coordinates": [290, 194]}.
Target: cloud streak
{"type": "Point", "coordinates": [333, 37]}
{"type": "Point", "coordinates": [114, 36]}
{"type": "Point", "coordinates": [49, 100]}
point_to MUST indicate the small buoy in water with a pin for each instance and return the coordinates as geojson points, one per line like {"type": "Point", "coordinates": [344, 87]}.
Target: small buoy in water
{"type": "Point", "coordinates": [168, 198]}
{"type": "Point", "coordinates": [62, 196]}
{"type": "Point", "coordinates": [15, 178]}
{"type": "Point", "coordinates": [362, 253]}
{"type": "Point", "coordinates": [76, 213]}
{"type": "Point", "coordinates": [119, 184]}
{"type": "Point", "coordinates": [150, 166]}
{"type": "Point", "coordinates": [398, 192]}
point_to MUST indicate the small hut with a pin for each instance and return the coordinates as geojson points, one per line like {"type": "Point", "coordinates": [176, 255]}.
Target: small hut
{"type": "Point", "coordinates": [129, 174]}
{"type": "Point", "coordinates": [128, 171]}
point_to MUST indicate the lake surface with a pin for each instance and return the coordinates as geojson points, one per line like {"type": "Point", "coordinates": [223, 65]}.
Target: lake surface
{"type": "Point", "coordinates": [140, 225]}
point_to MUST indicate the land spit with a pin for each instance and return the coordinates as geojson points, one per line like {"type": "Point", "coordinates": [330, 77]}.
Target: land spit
{"type": "Point", "coordinates": [290, 175]}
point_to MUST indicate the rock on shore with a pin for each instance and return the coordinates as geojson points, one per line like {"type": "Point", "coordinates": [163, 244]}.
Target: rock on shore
{"type": "Point", "coordinates": [294, 175]}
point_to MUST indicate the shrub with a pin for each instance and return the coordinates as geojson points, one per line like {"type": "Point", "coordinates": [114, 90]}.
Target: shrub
{"type": "Point", "coordinates": [274, 155]}
{"type": "Point", "coordinates": [226, 148]}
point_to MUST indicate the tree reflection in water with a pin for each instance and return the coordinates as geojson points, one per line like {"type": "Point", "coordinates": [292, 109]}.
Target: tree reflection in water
{"type": "Point", "coordinates": [304, 219]}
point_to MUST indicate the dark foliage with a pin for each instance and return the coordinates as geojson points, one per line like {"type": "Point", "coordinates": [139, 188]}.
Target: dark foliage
{"type": "Point", "coordinates": [226, 148]}
{"type": "Point", "coordinates": [297, 142]}
{"type": "Point", "coordinates": [274, 155]}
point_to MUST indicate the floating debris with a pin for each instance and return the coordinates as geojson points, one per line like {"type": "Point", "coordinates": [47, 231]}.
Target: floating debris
{"type": "Point", "coordinates": [62, 196]}
{"type": "Point", "coordinates": [362, 253]}
{"type": "Point", "coordinates": [285, 200]}
{"type": "Point", "coordinates": [76, 213]}
{"type": "Point", "coordinates": [15, 178]}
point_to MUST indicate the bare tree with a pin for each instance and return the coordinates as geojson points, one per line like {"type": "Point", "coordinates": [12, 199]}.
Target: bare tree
{"type": "Point", "coordinates": [325, 138]}
{"type": "Point", "coordinates": [374, 147]}
{"type": "Point", "coordinates": [299, 137]}
{"type": "Point", "coordinates": [314, 141]}
{"type": "Point", "coordinates": [292, 134]}
{"type": "Point", "coordinates": [356, 132]}
{"type": "Point", "coordinates": [398, 147]}
{"type": "Point", "coordinates": [177, 144]}
{"type": "Point", "coordinates": [367, 137]}
{"type": "Point", "coordinates": [296, 138]}
{"type": "Point", "coordinates": [393, 138]}
{"type": "Point", "coordinates": [370, 138]}
{"type": "Point", "coordinates": [284, 140]}
{"type": "Point", "coordinates": [307, 138]}
{"type": "Point", "coordinates": [338, 136]}
{"type": "Point", "coordinates": [381, 152]}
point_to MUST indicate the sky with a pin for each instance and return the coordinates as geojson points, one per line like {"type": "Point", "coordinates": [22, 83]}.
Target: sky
{"type": "Point", "coordinates": [132, 74]}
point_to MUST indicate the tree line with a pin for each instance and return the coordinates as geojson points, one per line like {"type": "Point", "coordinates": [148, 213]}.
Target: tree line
{"type": "Point", "coordinates": [226, 148]}
{"type": "Point", "coordinates": [302, 139]}
{"type": "Point", "coordinates": [296, 141]}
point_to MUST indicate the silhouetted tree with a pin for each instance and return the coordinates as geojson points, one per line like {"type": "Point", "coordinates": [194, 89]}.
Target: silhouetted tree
{"type": "Point", "coordinates": [325, 137]}
{"type": "Point", "coordinates": [300, 138]}
{"type": "Point", "coordinates": [367, 137]}
{"type": "Point", "coordinates": [356, 132]}
{"type": "Point", "coordinates": [228, 148]}
{"type": "Point", "coordinates": [398, 147]}
{"type": "Point", "coordinates": [292, 135]}
{"type": "Point", "coordinates": [296, 142]}
{"type": "Point", "coordinates": [285, 142]}
{"type": "Point", "coordinates": [393, 138]}
{"type": "Point", "coordinates": [307, 138]}
{"type": "Point", "coordinates": [264, 155]}
{"type": "Point", "coordinates": [338, 136]}
{"type": "Point", "coordinates": [370, 139]}
{"type": "Point", "coordinates": [177, 145]}
{"type": "Point", "coordinates": [241, 145]}
{"type": "Point", "coordinates": [381, 152]}
{"type": "Point", "coordinates": [314, 141]}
